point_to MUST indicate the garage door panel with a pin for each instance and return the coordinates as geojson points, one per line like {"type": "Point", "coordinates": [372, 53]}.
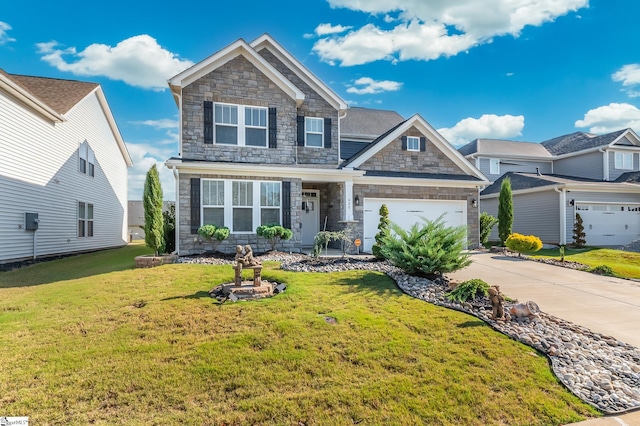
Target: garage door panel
{"type": "Point", "coordinates": [406, 212]}
{"type": "Point", "coordinates": [609, 224]}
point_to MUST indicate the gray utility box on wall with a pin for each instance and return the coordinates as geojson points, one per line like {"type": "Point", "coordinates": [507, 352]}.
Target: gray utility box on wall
{"type": "Point", "coordinates": [31, 221]}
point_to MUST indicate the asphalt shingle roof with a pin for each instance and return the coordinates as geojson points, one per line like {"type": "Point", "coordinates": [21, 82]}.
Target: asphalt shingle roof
{"type": "Point", "coordinates": [499, 147]}
{"type": "Point", "coordinates": [367, 123]}
{"type": "Point", "coordinates": [579, 141]}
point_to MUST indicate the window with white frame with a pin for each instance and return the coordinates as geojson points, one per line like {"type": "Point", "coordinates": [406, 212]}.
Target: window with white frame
{"type": "Point", "coordinates": [241, 205]}
{"type": "Point", "coordinates": [624, 160]}
{"type": "Point", "coordinates": [313, 131]}
{"type": "Point", "coordinates": [413, 143]}
{"type": "Point", "coordinates": [85, 219]}
{"type": "Point", "coordinates": [240, 125]}
{"type": "Point", "coordinates": [86, 159]}
{"type": "Point", "coordinates": [494, 166]}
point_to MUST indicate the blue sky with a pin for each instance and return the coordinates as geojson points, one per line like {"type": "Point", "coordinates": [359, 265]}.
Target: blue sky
{"type": "Point", "coordinates": [514, 69]}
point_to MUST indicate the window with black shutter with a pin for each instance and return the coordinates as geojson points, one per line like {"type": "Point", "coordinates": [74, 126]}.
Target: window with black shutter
{"type": "Point", "coordinates": [327, 132]}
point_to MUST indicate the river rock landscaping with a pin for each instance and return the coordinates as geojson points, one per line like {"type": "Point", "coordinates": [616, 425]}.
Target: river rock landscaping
{"type": "Point", "coordinates": [599, 369]}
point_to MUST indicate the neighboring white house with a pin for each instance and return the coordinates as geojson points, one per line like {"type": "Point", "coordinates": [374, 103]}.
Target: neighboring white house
{"type": "Point", "coordinates": [63, 159]}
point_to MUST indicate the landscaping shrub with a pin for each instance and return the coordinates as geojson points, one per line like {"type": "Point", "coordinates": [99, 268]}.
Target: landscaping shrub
{"type": "Point", "coordinates": [383, 231]}
{"type": "Point", "coordinates": [603, 270]}
{"type": "Point", "coordinates": [505, 211]}
{"type": "Point", "coordinates": [214, 234]}
{"type": "Point", "coordinates": [152, 202]}
{"type": "Point", "coordinates": [169, 219]}
{"type": "Point", "coordinates": [323, 238]}
{"type": "Point", "coordinates": [469, 290]}
{"type": "Point", "coordinates": [274, 234]}
{"type": "Point", "coordinates": [523, 243]}
{"type": "Point", "coordinates": [578, 232]}
{"type": "Point", "coordinates": [427, 250]}
{"type": "Point", "coordinates": [487, 222]}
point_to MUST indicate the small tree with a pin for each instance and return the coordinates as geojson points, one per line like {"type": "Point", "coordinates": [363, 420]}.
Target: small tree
{"type": "Point", "coordinates": [383, 231]}
{"type": "Point", "coordinates": [214, 234]}
{"type": "Point", "coordinates": [523, 243]}
{"type": "Point", "coordinates": [274, 233]}
{"type": "Point", "coordinates": [169, 219]}
{"type": "Point", "coordinates": [578, 232]}
{"type": "Point", "coordinates": [505, 211]}
{"type": "Point", "coordinates": [152, 202]}
{"type": "Point", "coordinates": [487, 222]}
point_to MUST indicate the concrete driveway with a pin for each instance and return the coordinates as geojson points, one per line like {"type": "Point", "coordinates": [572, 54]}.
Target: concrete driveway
{"type": "Point", "coordinates": [610, 306]}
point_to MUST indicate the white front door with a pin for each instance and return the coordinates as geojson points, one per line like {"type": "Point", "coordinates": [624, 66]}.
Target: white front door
{"type": "Point", "coordinates": [406, 213]}
{"type": "Point", "coordinates": [310, 216]}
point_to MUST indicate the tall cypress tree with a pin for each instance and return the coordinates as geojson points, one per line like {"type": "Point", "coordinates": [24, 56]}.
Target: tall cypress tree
{"type": "Point", "coordinates": [152, 201]}
{"type": "Point", "coordinates": [505, 210]}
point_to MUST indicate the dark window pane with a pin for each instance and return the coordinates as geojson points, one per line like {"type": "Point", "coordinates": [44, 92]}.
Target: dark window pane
{"type": "Point", "coordinates": [90, 228]}
{"type": "Point", "coordinates": [227, 135]}
{"type": "Point", "coordinates": [256, 137]}
{"type": "Point", "coordinates": [314, 140]}
{"type": "Point", "coordinates": [81, 228]}
{"type": "Point", "coordinates": [213, 216]}
{"type": "Point", "coordinates": [269, 216]}
{"type": "Point", "coordinates": [91, 170]}
{"type": "Point", "coordinates": [83, 166]}
{"type": "Point", "coordinates": [242, 220]}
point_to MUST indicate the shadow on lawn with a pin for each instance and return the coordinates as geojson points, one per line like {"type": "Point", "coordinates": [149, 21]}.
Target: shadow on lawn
{"type": "Point", "coordinates": [197, 295]}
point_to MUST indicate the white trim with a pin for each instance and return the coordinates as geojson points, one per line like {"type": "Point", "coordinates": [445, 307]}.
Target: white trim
{"type": "Point", "coordinates": [235, 49]}
{"type": "Point", "coordinates": [29, 99]}
{"type": "Point", "coordinates": [621, 188]}
{"type": "Point", "coordinates": [618, 166]}
{"type": "Point", "coordinates": [562, 195]}
{"type": "Point", "coordinates": [403, 181]}
{"type": "Point", "coordinates": [493, 161]}
{"type": "Point", "coordinates": [412, 138]}
{"type": "Point", "coordinates": [112, 124]}
{"type": "Point", "coordinates": [347, 201]}
{"type": "Point", "coordinates": [432, 135]}
{"type": "Point", "coordinates": [321, 133]}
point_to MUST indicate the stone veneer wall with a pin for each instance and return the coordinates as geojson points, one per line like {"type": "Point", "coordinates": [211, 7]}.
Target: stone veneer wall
{"type": "Point", "coordinates": [314, 105]}
{"type": "Point", "coordinates": [237, 82]}
{"type": "Point", "coordinates": [193, 244]}
{"type": "Point", "coordinates": [420, 193]}
{"type": "Point", "coordinates": [393, 158]}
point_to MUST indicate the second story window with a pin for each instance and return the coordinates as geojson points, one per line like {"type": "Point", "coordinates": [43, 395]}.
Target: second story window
{"type": "Point", "coordinates": [226, 119]}
{"type": "Point", "coordinates": [86, 159]}
{"type": "Point", "coordinates": [494, 166]}
{"type": "Point", "coordinates": [624, 160]}
{"type": "Point", "coordinates": [413, 143]}
{"type": "Point", "coordinates": [240, 125]}
{"type": "Point", "coordinates": [313, 132]}
{"type": "Point", "coordinates": [255, 120]}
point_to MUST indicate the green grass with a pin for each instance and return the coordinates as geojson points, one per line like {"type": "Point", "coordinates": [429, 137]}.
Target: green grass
{"type": "Point", "coordinates": [76, 351]}
{"type": "Point", "coordinates": [623, 263]}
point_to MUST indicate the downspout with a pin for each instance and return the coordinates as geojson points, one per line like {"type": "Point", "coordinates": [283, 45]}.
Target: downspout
{"type": "Point", "coordinates": [563, 215]}
{"type": "Point", "coordinates": [339, 127]}
{"type": "Point", "coordinates": [605, 164]}
{"type": "Point", "coordinates": [176, 175]}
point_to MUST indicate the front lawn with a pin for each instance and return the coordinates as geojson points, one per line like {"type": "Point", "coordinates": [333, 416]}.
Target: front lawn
{"type": "Point", "coordinates": [75, 350]}
{"type": "Point", "coordinates": [624, 264]}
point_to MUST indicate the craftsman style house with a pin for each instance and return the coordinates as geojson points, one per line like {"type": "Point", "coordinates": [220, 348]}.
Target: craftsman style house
{"type": "Point", "coordinates": [63, 169]}
{"type": "Point", "coordinates": [260, 142]}
{"type": "Point", "coordinates": [596, 176]}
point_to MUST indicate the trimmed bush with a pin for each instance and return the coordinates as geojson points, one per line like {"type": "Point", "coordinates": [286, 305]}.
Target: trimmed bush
{"type": "Point", "coordinates": [523, 243]}
{"type": "Point", "coordinates": [323, 238]}
{"type": "Point", "coordinates": [274, 234]}
{"type": "Point", "coordinates": [468, 290]}
{"type": "Point", "coordinates": [152, 202]}
{"type": "Point", "coordinates": [487, 222]}
{"type": "Point", "coordinates": [214, 234]}
{"type": "Point", "coordinates": [427, 250]}
{"type": "Point", "coordinates": [505, 211]}
{"type": "Point", "coordinates": [169, 218]}
{"type": "Point", "coordinates": [578, 232]}
{"type": "Point", "coordinates": [383, 231]}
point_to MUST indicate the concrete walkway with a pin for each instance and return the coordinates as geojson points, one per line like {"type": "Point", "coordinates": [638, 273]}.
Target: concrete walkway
{"type": "Point", "coordinates": [610, 306]}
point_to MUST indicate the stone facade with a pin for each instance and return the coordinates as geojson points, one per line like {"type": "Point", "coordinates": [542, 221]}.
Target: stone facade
{"type": "Point", "coordinates": [393, 158]}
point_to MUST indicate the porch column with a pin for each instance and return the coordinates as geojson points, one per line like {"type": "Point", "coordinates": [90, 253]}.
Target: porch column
{"type": "Point", "coordinates": [563, 216]}
{"type": "Point", "coordinates": [348, 200]}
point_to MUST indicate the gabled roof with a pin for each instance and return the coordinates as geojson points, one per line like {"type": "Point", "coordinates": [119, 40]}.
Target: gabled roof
{"type": "Point", "coordinates": [232, 51]}
{"type": "Point", "coordinates": [427, 130]}
{"type": "Point", "coordinates": [580, 141]}
{"type": "Point", "coordinates": [504, 148]}
{"type": "Point", "coordinates": [631, 177]}
{"type": "Point", "coordinates": [265, 41]}
{"type": "Point", "coordinates": [367, 123]}
{"type": "Point", "coordinates": [53, 98]}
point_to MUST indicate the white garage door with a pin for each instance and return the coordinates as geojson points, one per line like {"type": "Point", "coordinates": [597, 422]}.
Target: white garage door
{"type": "Point", "coordinates": [610, 224]}
{"type": "Point", "coordinates": [408, 212]}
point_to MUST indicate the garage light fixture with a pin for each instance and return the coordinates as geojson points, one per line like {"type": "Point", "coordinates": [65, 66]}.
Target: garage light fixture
{"type": "Point", "coordinates": [357, 201]}
{"type": "Point", "coordinates": [474, 202]}
{"type": "Point", "coordinates": [572, 202]}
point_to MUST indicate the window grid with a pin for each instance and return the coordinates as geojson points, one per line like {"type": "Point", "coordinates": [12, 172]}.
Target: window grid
{"type": "Point", "coordinates": [86, 156]}
{"type": "Point", "coordinates": [413, 143]}
{"type": "Point", "coordinates": [313, 131]}
{"type": "Point", "coordinates": [85, 219]}
{"type": "Point", "coordinates": [624, 160]}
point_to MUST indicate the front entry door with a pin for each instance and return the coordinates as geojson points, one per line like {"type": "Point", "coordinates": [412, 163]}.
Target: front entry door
{"type": "Point", "coordinates": [310, 216]}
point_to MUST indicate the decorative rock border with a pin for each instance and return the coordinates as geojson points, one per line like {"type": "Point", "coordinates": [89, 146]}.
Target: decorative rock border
{"type": "Point", "coordinates": [151, 261]}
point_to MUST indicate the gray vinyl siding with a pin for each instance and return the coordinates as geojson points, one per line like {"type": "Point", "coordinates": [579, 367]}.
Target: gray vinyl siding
{"type": "Point", "coordinates": [536, 213]}
{"type": "Point", "coordinates": [585, 166]}
{"type": "Point", "coordinates": [507, 165]}
{"type": "Point", "coordinates": [603, 197]}
{"type": "Point", "coordinates": [615, 173]}
{"type": "Point", "coordinates": [39, 173]}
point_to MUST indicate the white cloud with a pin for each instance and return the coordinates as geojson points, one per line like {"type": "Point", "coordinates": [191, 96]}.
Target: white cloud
{"type": "Point", "coordinates": [487, 126]}
{"type": "Point", "coordinates": [138, 61]}
{"type": "Point", "coordinates": [629, 76]}
{"type": "Point", "coordinates": [163, 123]}
{"type": "Point", "coordinates": [144, 156]}
{"type": "Point", "coordinates": [431, 29]}
{"type": "Point", "coordinates": [369, 86]}
{"type": "Point", "coordinates": [612, 117]}
{"type": "Point", "coordinates": [4, 37]}
{"type": "Point", "coordinates": [326, 29]}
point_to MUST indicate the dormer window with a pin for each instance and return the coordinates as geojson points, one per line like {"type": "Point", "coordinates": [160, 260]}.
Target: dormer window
{"type": "Point", "coordinates": [624, 160]}
{"type": "Point", "coordinates": [413, 143]}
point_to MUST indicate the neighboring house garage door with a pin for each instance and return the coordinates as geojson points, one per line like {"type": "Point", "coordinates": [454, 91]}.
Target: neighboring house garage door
{"type": "Point", "coordinates": [610, 224]}
{"type": "Point", "coordinates": [408, 212]}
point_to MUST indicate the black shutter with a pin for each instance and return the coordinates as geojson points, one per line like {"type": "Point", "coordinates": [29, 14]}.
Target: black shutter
{"type": "Point", "coordinates": [423, 144]}
{"type": "Point", "coordinates": [273, 126]}
{"type": "Point", "coordinates": [404, 143]}
{"type": "Point", "coordinates": [208, 122]}
{"type": "Point", "coordinates": [301, 130]}
{"type": "Point", "coordinates": [327, 132]}
{"type": "Point", "coordinates": [195, 205]}
{"type": "Point", "coordinates": [286, 205]}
